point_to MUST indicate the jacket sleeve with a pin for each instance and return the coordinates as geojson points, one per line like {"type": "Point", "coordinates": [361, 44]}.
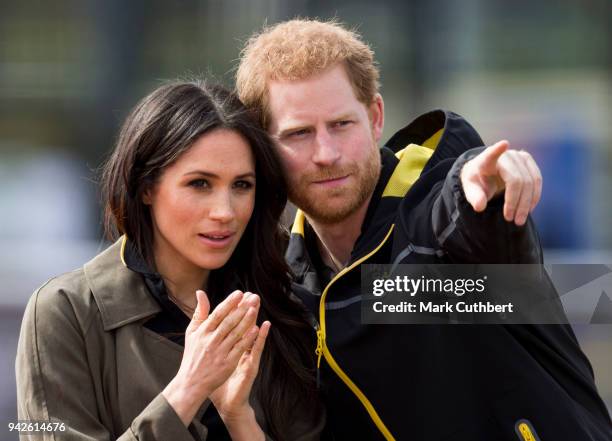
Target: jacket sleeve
{"type": "Point", "coordinates": [54, 382]}
{"type": "Point", "coordinates": [471, 237]}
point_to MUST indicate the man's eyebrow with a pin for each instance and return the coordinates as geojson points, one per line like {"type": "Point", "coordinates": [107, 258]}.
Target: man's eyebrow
{"type": "Point", "coordinates": [343, 116]}
{"type": "Point", "coordinates": [213, 175]}
{"type": "Point", "coordinates": [290, 129]}
{"type": "Point", "coordinates": [294, 128]}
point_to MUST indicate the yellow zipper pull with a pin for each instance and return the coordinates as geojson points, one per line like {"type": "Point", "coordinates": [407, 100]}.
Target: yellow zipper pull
{"type": "Point", "coordinates": [525, 431]}
{"type": "Point", "coordinates": [319, 352]}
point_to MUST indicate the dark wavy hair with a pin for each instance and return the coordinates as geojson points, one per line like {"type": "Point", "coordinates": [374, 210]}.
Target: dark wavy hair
{"type": "Point", "coordinates": [162, 127]}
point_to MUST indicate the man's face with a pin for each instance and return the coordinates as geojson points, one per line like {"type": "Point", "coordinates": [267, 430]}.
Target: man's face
{"type": "Point", "coordinates": [328, 141]}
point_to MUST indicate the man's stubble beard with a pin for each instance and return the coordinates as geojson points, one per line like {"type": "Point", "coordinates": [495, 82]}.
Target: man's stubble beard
{"type": "Point", "coordinates": [326, 210]}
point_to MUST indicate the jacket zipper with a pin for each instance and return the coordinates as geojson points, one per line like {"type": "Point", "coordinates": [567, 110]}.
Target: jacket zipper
{"type": "Point", "coordinates": [323, 351]}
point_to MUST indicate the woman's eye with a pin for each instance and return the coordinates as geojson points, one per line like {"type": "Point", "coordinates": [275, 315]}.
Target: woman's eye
{"type": "Point", "coordinates": [244, 185]}
{"type": "Point", "coordinates": [199, 183]}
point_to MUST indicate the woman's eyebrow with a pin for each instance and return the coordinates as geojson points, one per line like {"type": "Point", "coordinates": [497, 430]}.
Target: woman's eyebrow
{"type": "Point", "coordinates": [246, 175]}
{"type": "Point", "coordinates": [213, 175]}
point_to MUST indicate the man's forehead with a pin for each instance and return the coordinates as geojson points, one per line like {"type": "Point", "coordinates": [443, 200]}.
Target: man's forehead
{"type": "Point", "coordinates": [328, 94]}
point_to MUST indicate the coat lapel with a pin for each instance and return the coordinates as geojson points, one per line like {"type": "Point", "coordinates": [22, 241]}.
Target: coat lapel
{"type": "Point", "coordinates": [146, 361]}
{"type": "Point", "coordinates": [120, 293]}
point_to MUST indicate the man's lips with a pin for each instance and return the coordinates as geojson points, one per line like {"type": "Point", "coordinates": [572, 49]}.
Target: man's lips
{"type": "Point", "coordinates": [217, 239]}
{"type": "Point", "coordinates": [332, 182]}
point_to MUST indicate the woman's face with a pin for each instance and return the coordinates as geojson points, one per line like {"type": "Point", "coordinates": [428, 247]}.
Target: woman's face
{"type": "Point", "coordinates": [202, 203]}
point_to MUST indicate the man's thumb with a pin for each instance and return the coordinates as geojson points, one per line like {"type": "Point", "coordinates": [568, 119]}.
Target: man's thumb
{"type": "Point", "coordinates": [475, 195]}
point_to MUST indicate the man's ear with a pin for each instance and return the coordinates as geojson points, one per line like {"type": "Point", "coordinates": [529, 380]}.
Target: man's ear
{"type": "Point", "coordinates": [376, 111]}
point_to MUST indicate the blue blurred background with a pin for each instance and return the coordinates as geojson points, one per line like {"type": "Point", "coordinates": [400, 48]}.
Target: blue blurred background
{"type": "Point", "coordinates": [536, 73]}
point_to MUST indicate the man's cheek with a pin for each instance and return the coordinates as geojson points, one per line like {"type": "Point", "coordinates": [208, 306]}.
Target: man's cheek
{"type": "Point", "coordinates": [295, 169]}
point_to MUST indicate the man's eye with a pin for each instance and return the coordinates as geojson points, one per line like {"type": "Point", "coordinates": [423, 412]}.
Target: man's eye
{"type": "Point", "coordinates": [244, 185]}
{"type": "Point", "coordinates": [199, 183]}
{"type": "Point", "coordinates": [298, 133]}
{"type": "Point", "coordinates": [342, 123]}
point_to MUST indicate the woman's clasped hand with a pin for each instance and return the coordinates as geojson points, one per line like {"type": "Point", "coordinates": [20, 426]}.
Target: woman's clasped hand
{"type": "Point", "coordinates": [221, 358]}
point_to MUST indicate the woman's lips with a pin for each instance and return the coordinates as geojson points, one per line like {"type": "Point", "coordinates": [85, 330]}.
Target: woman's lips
{"type": "Point", "coordinates": [218, 240]}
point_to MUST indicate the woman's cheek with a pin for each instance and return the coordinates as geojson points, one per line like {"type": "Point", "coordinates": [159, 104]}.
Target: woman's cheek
{"type": "Point", "coordinates": [188, 209]}
{"type": "Point", "coordinates": [247, 207]}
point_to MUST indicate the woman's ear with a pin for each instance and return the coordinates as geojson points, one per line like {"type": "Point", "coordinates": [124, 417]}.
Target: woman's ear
{"type": "Point", "coordinates": [146, 196]}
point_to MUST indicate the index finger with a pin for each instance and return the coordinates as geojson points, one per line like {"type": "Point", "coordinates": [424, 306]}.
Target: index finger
{"type": "Point", "coordinates": [489, 156]}
{"type": "Point", "coordinates": [222, 310]}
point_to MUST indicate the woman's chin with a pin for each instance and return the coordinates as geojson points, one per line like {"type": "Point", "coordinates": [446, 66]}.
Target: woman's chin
{"type": "Point", "coordinates": [210, 263]}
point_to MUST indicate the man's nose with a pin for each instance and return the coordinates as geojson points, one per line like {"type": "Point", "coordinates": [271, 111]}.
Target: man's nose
{"type": "Point", "coordinates": [222, 209]}
{"type": "Point", "coordinates": [326, 151]}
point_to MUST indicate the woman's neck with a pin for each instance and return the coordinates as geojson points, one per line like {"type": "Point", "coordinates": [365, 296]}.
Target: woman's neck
{"type": "Point", "coordinates": [181, 278]}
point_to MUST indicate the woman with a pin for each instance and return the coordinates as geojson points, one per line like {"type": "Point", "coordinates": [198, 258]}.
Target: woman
{"type": "Point", "coordinates": [124, 348]}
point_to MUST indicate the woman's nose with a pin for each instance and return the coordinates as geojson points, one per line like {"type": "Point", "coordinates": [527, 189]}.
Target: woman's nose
{"type": "Point", "coordinates": [222, 208]}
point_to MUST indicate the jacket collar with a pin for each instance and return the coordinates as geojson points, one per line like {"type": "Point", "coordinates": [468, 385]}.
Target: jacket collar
{"type": "Point", "coordinates": [119, 292]}
{"type": "Point", "coordinates": [446, 132]}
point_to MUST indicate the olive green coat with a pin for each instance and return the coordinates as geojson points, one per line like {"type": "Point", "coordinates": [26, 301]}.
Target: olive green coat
{"type": "Point", "coordinates": [84, 358]}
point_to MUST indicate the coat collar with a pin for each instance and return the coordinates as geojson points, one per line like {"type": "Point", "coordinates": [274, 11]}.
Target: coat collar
{"type": "Point", "coordinates": [120, 293]}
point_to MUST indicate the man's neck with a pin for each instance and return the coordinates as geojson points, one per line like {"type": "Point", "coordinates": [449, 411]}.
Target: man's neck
{"type": "Point", "coordinates": [336, 241]}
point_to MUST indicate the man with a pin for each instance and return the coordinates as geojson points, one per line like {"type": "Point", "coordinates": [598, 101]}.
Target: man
{"type": "Point", "coordinates": [432, 195]}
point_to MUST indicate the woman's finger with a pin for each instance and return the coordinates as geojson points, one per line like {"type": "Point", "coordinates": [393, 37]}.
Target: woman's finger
{"type": "Point", "coordinates": [201, 311]}
{"type": "Point", "coordinates": [238, 332]}
{"type": "Point", "coordinates": [247, 295]}
{"type": "Point", "coordinates": [243, 345]}
{"type": "Point", "coordinates": [260, 342]}
{"type": "Point", "coordinates": [227, 325]}
{"type": "Point", "coordinates": [222, 310]}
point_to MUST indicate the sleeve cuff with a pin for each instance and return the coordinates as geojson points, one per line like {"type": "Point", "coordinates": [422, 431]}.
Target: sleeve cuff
{"type": "Point", "coordinates": [159, 421]}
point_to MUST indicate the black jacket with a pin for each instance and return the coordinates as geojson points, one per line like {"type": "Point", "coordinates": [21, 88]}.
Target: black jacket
{"type": "Point", "coordinates": [440, 382]}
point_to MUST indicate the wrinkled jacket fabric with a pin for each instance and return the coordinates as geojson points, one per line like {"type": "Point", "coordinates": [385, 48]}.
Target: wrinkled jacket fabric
{"type": "Point", "coordinates": [85, 359]}
{"type": "Point", "coordinates": [440, 382]}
